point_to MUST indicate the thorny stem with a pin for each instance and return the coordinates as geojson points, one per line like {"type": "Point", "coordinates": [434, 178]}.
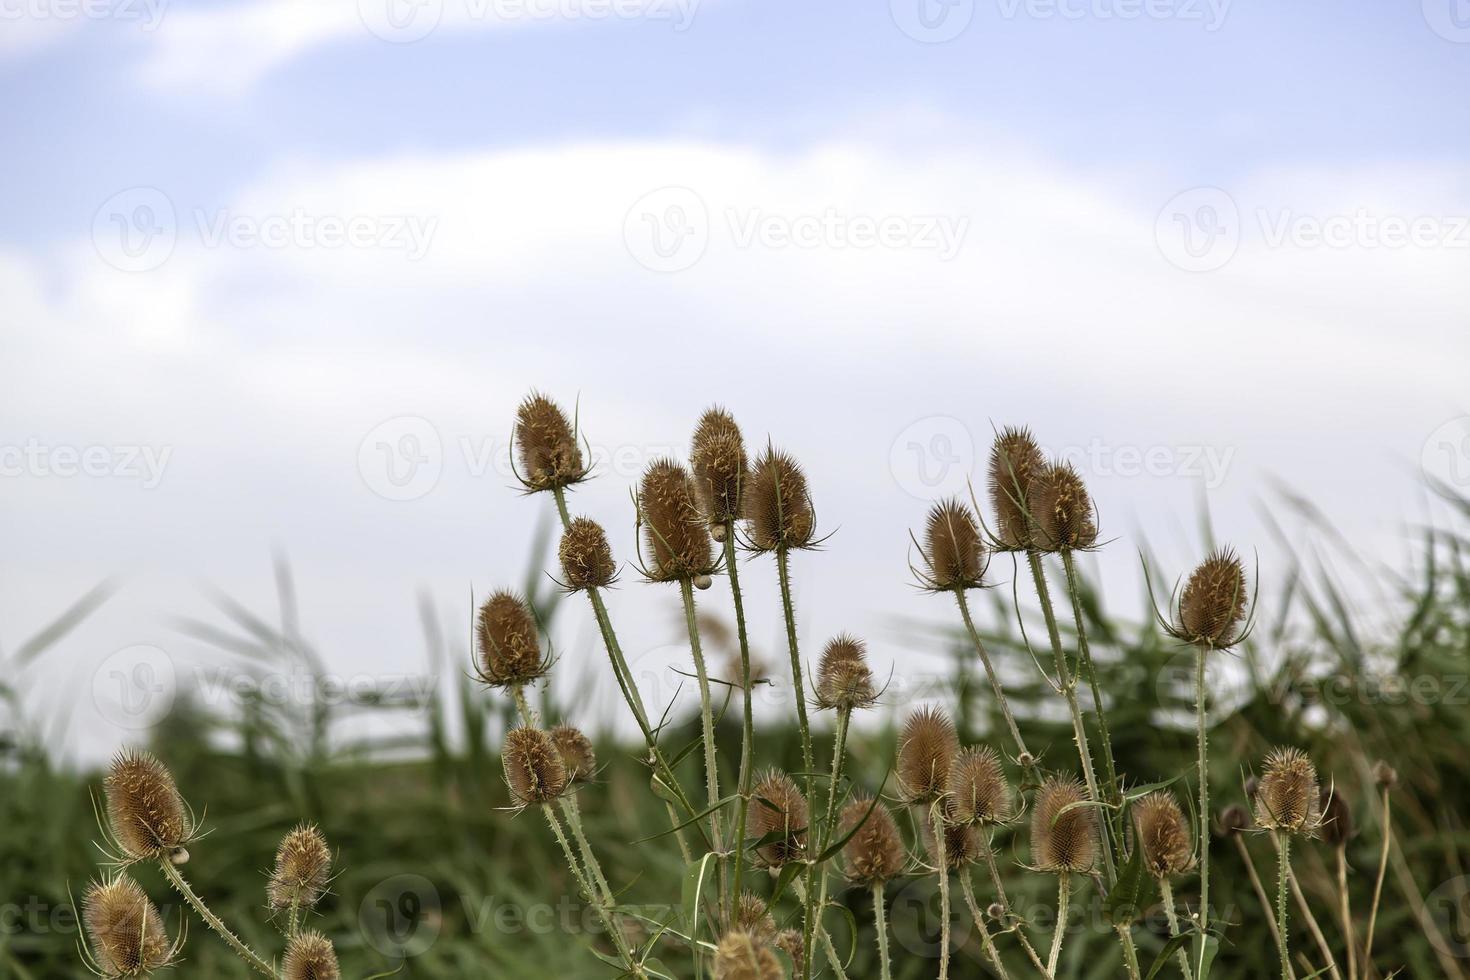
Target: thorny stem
{"type": "Point", "coordinates": [1064, 895]}
{"type": "Point", "coordinates": [1202, 738]}
{"type": "Point", "coordinates": [1345, 910]}
{"type": "Point", "coordinates": [1084, 654]}
{"type": "Point", "coordinates": [248, 955]}
{"type": "Point", "coordinates": [1314, 928]}
{"type": "Point", "coordinates": [1000, 694]}
{"type": "Point", "coordinates": [1260, 889]}
{"type": "Point", "coordinates": [985, 939]}
{"type": "Point", "coordinates": [880, 920]}
{"type": "Point", "coordinates": [707, 728]}
{"type": "Point", "coordinates": [1130, 955]}
{"type": "Point", "coordinates": [589, 858]}
{"type": "Point", "coordinates": [937, 817]}
{"type": "Point", "coordinates": [831, 951]}
{"type": "Point", "coordinates": [1000, 892]}
{"type": "Point", "coordinates": [1166, 893]}
{"type": "Point", "coordinates": [747, 725]}
{"type": "Point", "coordinates": [293, 921]}
{"type": "Point", "coordinates": [844, 715]}
{"type": "Point", "coordinates": [1378, 885]}
{"type": "Point", "coordinates": [1283, 873]}
{"type": "Point", "coordinates": [783, 572]}
{"type": "Point", "coordinates": [616, 934]}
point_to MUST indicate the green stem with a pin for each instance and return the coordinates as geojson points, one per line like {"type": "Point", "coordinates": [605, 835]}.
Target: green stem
{"type": "Point", "coordinates": [518, 695]}
{"type": "Point", "coordinates": [747, 725]}
{"type": "Point", "coordinates": [1283, 874]}
{"type": "Point", "coordinates": [1000, 892]}
{"type": "Point", "coordinates": [844, 716]}
{"type": "Point", "coordinates": [937, 818]}
{"type": "Point", "coordinates": [293, 922]}
{"type": "Point", "coordinates": [1202, 738]}
{"type": "Point", "coordinates": [1064, 896]}
{"type": "Point", "coordinates": [707, 729]}
{"type": "Point", "coordinates": [1130, 954]}
{"type": "Point", "coordinates": [573, 813]}
{"type": "Point", "coordinates": [1000, 694]}
{"type": "Point", "coordinates": [1166, 892]}
{"type": "Point", "coordinates": [603, 913]}
{"type": "Point", "coordinates": [1084, 654]}
{"type": "Point", "coordinates": [1387, 829]}
{"type": "Point", "coordinates": [251, 958]}
{"type": "Point", "coordinates": [784, 574]}
{"type": "Point", "coordinates": [827, 948]}
{"type": "Point", "coordinates": [985, 939]}
{"type": "Point", "coordinates": [880, 922]}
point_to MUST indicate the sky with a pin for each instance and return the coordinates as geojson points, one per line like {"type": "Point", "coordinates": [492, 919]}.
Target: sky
{"type": "Point", "coordinates": [277, 272]}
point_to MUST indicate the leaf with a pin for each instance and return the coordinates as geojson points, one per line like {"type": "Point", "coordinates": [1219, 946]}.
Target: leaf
{"type": "Point", "coordinates": [1205, 948]}
{"type": "Point", "coordinates": [1170, 948]}
{"type": "Point", "coordinates": [694, 890]}
{"type": "Point", "coordinates": [694, 819]}
{"type": "Point", "coordinates": [787, 873]}
{"type": "Point", "coordinates": [857, 825]}
{"type": "Point", "coordinates": [1131, 893]}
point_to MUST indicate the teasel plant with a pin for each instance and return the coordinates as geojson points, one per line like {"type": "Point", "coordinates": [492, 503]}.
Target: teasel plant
{"type": "Point", "coordinates": [1064, 842]}
{"type": "Point", "coordinates": [126, 936]}
{"type": "Point", "coordinates": [1165, 839]}
{"type": "Point", "coordinates": [1288, 804]}
{"type": "Point", "coordinates": [926, 747]}
{"type": "Point", "coordinates": [301, 876]}
{"type": "Point", "coordinates": [873, 855]}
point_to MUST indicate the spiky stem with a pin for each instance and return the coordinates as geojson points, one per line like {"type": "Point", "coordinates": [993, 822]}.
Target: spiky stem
{"type": "Point", "coordinates": [827, 948]}
{"type": "Point", "coordinates": [181, 885]}
{"type": "Point", "coordinates": [1000, 892]}
{"type": "Point", "coordinates": [1201, 733]}
{"type": "Point", "coordinates": [1378, 884]}
{"type": "Point", "coordinates": [1313, 926]}
{"type": "Point", "coordinates": [880, 922]}
{"type": "Point", "coordinates": [1166, 893]}
{"type": "Point", "coordinates": [573, 813]}
{"type": "Point", "coordinates": [293, 920]}
{"type": "Point", "coordinates": [1000, 694]}
{"type": "Point", "coordinates": [603, 911]}
{"type": "Point", "coordinates": [844, 715]}
{"type": "Point", "coordinates": [937, 818]}
{"type": "Point", "coordinates": [1258, 887]}
{"type": "Point", "coordinates": [1084, 655]}
{"type": "Point", "coordinates": [707, 729]}
{"type": "Point", "coordinates": [986, 941]}
{"type": "Point", "coordinates": [1064, 896]}
{"type": "Point", "coordinates": [747, 723]}
{"type": "Point", "coordinates": [1283, 875]}
{"type": "Point", "coordinates": [1130, 955]}
{"type": "Point", "coordinates": [783, 573]}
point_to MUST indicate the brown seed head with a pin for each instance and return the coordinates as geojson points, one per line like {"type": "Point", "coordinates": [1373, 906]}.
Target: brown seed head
{"type": "Point", "coordinates": [676, 537]}
{"type": "Point", "coordinates": [1385, 775]}
{"type": "Point", "coordinates": [962, 844]}
{"type": "Point", "coordinates": [1337, 818]}
{"type": "Point", "coordinates": [586, 558]}
{"type": "Point", "coordinates": [926, 747]}
{"type": "Point", "coordinates": [576, 752]}
{"type": "Point", "coordinates": [954, 556]}
{"type": "Point", "coordinates": [779, 808]}
{"type": "Point", "coordinates": [310, 956]}
{"type": "Point", "coordinates": [546, 445]}
{"type": "Point", "coordinates": [534, 770]}
{"type": "Point", "coordinates": [752, 916]}
{"type": "Point", "coordinates": [1164, 835]}
{"type": "Point", "coordinates": [720, 466]}
{"type": "Point", "coordinates": [1014, 460]}
{"type": "Point", "coordinates": [778, 507]}
{"type": "Point", "coordinates": [875, 853]}
{"type": "Point", "coordinates": [510, 647]}
{"type": "Point", "coordinates": [978, 791]}
{"type": "Point", "coordinates": [147, 815]}
{"type": "Point", "coordinates": [741, 956]}
{"type": "Point", "coordinates": [844, 681]}
{"type": "Point", "coordinates": [1212, 605]}
{"type": "Point", "coordinates": [789, 942]}
{"type": "Point", "coordinates": [1287, 797]}
{"type": "Point", "coordinates": [124, 928]}
{"type": "Point", "coordinates": [1232, 820]}
{"type": "Point", "coordinates": [303, 869]}
{"type": "Point", "coordinates": [1061, 510]}
{"type": "Point", "coordinates": [1063, 841]}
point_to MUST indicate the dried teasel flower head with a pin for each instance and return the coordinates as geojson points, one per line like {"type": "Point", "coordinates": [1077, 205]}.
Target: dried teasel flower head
{"type": "Point", "coordinates": [1232, 820]}
{"type": "Point", "coordinates": [779, 811]}
{"type": "Point", "coordinates": [1063, 835]}
{"type": "Point", "coordinates": [1212, 607]}
{"type": "Point", "coordinates": [586, 558]}
{"type": "Point", "coordinates": [576, 752]}
{"type": "Point", "coordinates": [742, 956]}
{"type": "Point", "coordinates": [978, 791]}
{"type": "Point", "coordinates": [145, 812]}
{"type": "Point", "coordinates": [1164, 834]}
{"type": "Point", "coordinates": [1337, 818]}
{"type": "Point", "coordinates": [303, 869]}
{"type": "Point", "coordinates": [721, 469]}
{"type": "Point", "coordinates": [1287, 798]}
{"type": "Point", "coordinates": [874, 854]}
{"type": "Point", "coordinates": [789, 942]}
{"type": "Point", "coordinates": [1062, 518]}
{"type": "Point", "coordinates": [510, 645]}
{"type": "Point", "coordinates": [926, 746]}
{"type": "Point", "coordinates": [676, 537]}
{"type": "Point", "coordinates": [546, 445]}
{"type": "Point", "coordinates": [753, 916]}
{"type": "Point", "coordinates": [124, 930]}
{"type": "Point", "coordinates": [962, 844]}
{"type": "Point", "coordinates": [953, 553]}
{"type": "Point", "coordinates": [778, 506]}
{"type": "Point", "coordinates": [1385, 775]}
{"type": "Point", "coordinates": [310, 956]}
{"type": "Point", "coordinates": [844, 681]}
{"type": "Point", "coordinates": [534, 770]}
{"type": "Point", "coordinates": [1014, 459]}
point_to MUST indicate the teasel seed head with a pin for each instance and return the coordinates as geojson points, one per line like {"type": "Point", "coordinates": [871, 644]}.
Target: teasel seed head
{"type": "Point", "coordinates": [1164, 834]}
{"type": "Point", "coordinates": [1233, 820]}
{"type": "Point", "coordinates": [676, 537]}
{"type": "Point", "coordinates": [148, 817]}
{"type": "Point", "coordinates": [721, 468]}
{"type": "Point", "coordinates": [954, 555]}
{"type": "Point", "coordinates": [1337, 818]}
{"type": "Point", "coordinates": [1014, 460]}
{"type": "Point", "coordinates": [125, 931]}
{"type": "Point", "coordinates": [1061, 510]}
{"type": "Point", "coordinates": [1287, 798]}
{"type": "Point", "coordinates": [978, 791]}
{"type": "Point", "coordinates": [576, 752]}
{"type": "Point", "coordinates": [1385, 775]}
{"type": "Point", "coordinates": [303, 869]}
{"type": "Point", "coordinates": [534, 770]}
{"type": "Point", "coordinates": [586, 558]}
{"type": "Point", "coordinates": [1212, 607]}
{"type": "Point", "coordinates": [962, 843]}
{"type": "Point", "coordinates": [310, 956]}
{"type": "Point", "coordinates": [926, 746]}
{"type": "Point", "coordinates": [779, 809]}
{"type": "Point", "coordinates": [778, 506]}
{"type": "Point", "coordinates": [874, 854]}
{"type": "Point", "coordinates": [742, 956]}
{"type": "Point", "coordinates": [1063, 841]}
{"type": "Point", "coordinates": [753, 916]}
{"type": "Point", "coordinates": [546, 445]}
{"type": "Point", "coordinates": [844, 681]}
{"type": "Point", "coordinates": [509, 642]}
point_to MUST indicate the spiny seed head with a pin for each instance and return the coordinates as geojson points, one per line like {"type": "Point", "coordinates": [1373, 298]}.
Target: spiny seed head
{"type": "Point", "coordinates": [576, 752]}
{"type": "Point", "coordinates": [844, 681]}
{"type": "Point", "coordinates": [779, 808]}
{"type": "Point", "coordinates": [1337, 818]}
{"type": "Point", "coordinates": [1287, 797]}
{"type": "Point", "coordinates": [586, 558]}
{"type": "Point", "coordinates": [978, 791]}
{"type": "Point", "coordinates": [1385, 775]}
{"type": "Point", "coordinates": [147, 815]}
{"type": "Point", "coordinates": [962, 845]}
{"type": "Point", "coordinates": [1164, 835]}
{"type": "Point", "coordinates": [721, 468]}
{"type": "Point", "coordinates": [1232, 820]}
{"type": "Point", "coordinates": [778, 506]}
{"type": "Point", "coordinates": [534, 770]}
{"type": "Point", "coordinates": [1212, 605]}
{"type": "Point", "coordinates": [510, 647]}
{"type": "Point", "coordinates": [1014, 460]}
{"type": "Point", "coordinates": [1063, 841]}
{"type": "Point", "coordinates": [546, 445]}
{"type": "Point", "coordinates": [676, 536]}
{"type": "Point", "coordinates": [789, 942]}
{"type": "Point", "coordinates": [741, 956]}
{"type": "Point", "coordinates": [303, 869]}
{"type": "Point", "coordinates": [124, 928]}
{"type": "Point", "coordinates": [310, 956]}
{"type": "Point", "coordinates": [874, 854]}
{"type": "Point", "coordinates": [926, 747]}
{"type": "Point", "coordinates": [753, 916]}
{"type": "Point", "coordinates": [954, 556]}
{"type": "Point", "coordinates": [1061, 510]}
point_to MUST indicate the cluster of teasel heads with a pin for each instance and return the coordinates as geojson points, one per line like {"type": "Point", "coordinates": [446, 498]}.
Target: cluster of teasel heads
{"type": "Point", "coordinates": [146, 820]}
